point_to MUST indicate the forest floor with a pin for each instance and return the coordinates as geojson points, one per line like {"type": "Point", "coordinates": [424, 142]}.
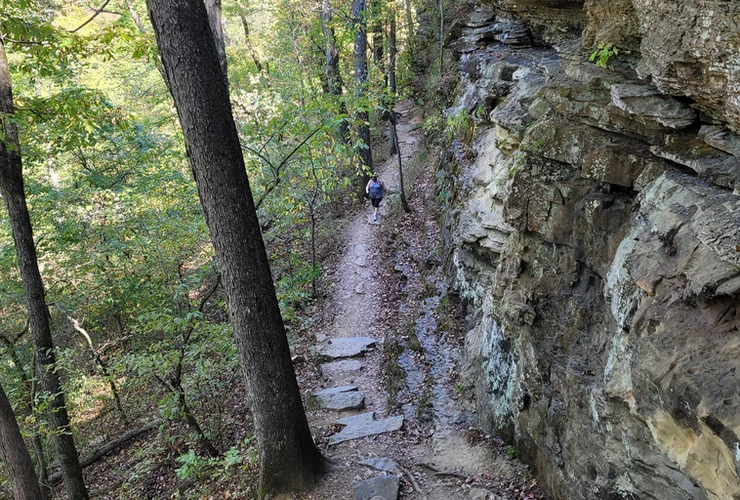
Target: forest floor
{"type": "Point", "coordinates": [388, 288]}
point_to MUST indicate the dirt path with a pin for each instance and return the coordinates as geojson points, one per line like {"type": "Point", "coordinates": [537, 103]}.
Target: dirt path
{"type": "Point", "coordinates": [387, 291]}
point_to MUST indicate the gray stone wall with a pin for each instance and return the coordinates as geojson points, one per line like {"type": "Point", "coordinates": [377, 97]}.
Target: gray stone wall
{"type": "Point", "coordinates": [594, 234]}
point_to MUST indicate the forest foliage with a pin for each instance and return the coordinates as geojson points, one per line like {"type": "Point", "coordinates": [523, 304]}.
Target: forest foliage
{"type": "Point", "coordinates": [132, 285]}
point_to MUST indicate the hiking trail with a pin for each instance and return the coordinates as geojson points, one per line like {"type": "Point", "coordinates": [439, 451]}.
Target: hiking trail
{"type": "Point", "coordinates": [388, 326]}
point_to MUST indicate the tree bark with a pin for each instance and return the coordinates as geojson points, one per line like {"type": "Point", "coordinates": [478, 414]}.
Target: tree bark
{"type": "Point", "coordinates": [14, 455]}
{"type": "Point", "coordinates": [288, 457]}
{"type": "Point", "coordinates": [12, 189]}
{"type": "Point", "coordinates": [363, 129]}
{"type": "Point", "coordinates": [213, 8]}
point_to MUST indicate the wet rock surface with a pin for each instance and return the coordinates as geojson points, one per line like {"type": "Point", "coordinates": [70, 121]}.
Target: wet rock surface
{"type": "Point", "coordinates": [595, 238]}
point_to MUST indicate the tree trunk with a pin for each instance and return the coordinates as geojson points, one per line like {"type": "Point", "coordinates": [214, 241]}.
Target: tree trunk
{"type": "Point", "coordinates": [333, 76]}
{"type": "Point", "coordinates": [363, 129]}
{"type": "Point", "coordinates": [14, 455]}
{"type": "Point", "coordinates": [441, 38]}
{"type": "Point", "coordinates": [250, 47]}
{"type": "Point", "coordinates": [288, 458]}
{"type": "Point", "coordinates": [11, 187]}
{"type": "Point", "coordinates": [392, 51]}
{"type": "Point", "coordinates": [392, 72]}
{"type": "Point", "coordinates": [135, 16]}
{"type": "Point", "coordinates": [409, 20]}
{"type": "Point", "coordinates": [29, 384]}
{"type": "Point", "coordinates": [213, 8]}
{"type": "Point", "coordinates": [376, 13]}
{"type": "Point", "coordinates": [404, 202]}
{"type": "Point", "coordinates": [140, 27]}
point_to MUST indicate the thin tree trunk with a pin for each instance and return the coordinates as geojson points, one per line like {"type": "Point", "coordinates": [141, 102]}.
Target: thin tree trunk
{"type": "Point", "coordinates": [363, 129]}
{"type": "Point", "coordinates": [404, 203]}
{"type": "Point", "coordinates": [409, 20]}
{"type": "Point", "coordinates": [250, 47]}
{"type": "Point", "coordinates": [30, 386]}
{"type": "Point", "coordinates": [392, 52]}
{"type": "Point", "coordinates": [333, 76]}
{"type": "Point", "coordinates": [11, 187]}
{"type": "Point", "coordinates": [441, 37]}
{"type": "Point", "coordinates": [392, 70]}
{"type": "Point", "coordinates": [213, 8]}
{"type": "Point", "coordinates": [288, 457]}
{"type": "Point", "coordinates": [140, 27]}
{"type": "Point", "coordinates": [14, 455]}
{"type": "Point", "coordinates": [376, 9]}
{"type": "Point", "coordinates": [135, 16]}
{"type": "Point", "coordinates": [38, 450]}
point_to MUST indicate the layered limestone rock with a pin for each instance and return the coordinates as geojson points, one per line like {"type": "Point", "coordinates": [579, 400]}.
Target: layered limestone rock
{"type": "Point", "coordinates": [595, 239]}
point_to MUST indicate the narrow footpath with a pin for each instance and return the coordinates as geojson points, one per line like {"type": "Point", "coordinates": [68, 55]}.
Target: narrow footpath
{"type": "Point", "coordinates": [386, 400]}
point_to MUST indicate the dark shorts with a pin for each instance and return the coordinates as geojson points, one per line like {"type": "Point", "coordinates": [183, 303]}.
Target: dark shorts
{"type": "Point", "coordinates": [376, 201]}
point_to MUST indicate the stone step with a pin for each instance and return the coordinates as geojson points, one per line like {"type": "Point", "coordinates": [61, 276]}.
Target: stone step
{"type": "Point", "coordinates": [346, 347]}
{"type": "Point", "coordinates": [363, 425]}
{"type": "Point", "coordinates": [340, 398]}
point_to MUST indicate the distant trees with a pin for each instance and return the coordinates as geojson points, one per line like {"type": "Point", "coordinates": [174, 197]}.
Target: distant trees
{"type": "Point", "coordinates": [288, 457]}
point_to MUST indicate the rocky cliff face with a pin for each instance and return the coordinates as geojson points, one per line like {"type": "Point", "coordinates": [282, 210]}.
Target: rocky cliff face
{"type": "Point", "coordinates": [594, 233]}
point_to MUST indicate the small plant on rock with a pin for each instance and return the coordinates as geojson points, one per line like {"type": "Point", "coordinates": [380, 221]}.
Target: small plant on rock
{"type": "Point", "coordinates": [603, 53]}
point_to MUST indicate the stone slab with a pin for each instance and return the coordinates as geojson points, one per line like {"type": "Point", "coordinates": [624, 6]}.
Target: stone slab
{"type": "Point", "coordinates": [363, 425]}
{"type": "Point", "coordinates": [346, 347]}
{"type": "Point", "coordinates": [381, 464]}
{"type": "Point", "coordinates": [341, 398]}
{"type": "Point", "coordinates": [720, 138]}
{"type": "Point", "coordinates": [383, 486]}
{"type": "Point", "coordinates": [648, 102]}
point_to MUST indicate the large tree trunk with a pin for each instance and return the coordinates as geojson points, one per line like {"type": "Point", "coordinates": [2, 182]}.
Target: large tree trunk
{"type": "Point", "coordinates": [288, 458]}
{"type": "Point", "coordinates": [213, 8]}
{"type": "Point", "coordinates": [11, 187]}
{"type": "Point", "coordinates": [14, 455]}
{"type": "Point", "coordinates": [363, 129]}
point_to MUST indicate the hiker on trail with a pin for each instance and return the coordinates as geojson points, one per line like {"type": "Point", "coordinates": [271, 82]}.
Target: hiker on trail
{"type": "Point", "coordinates": [375, 189]}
